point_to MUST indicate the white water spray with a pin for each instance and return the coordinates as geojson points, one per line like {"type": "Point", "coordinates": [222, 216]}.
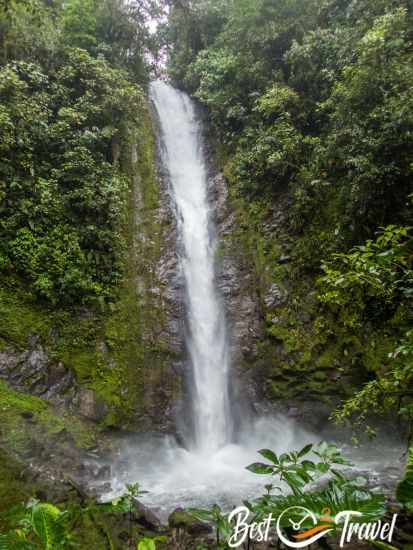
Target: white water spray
{"type": "Point", "coordinates": [183, 158]}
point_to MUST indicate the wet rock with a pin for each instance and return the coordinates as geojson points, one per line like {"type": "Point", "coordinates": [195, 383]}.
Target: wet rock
{"type": "Point", "coordinates": [33, 371]}
{"type": "Point", "coordinates": [179, 519]}
{"type": "Point", "coordinates": [275, 297]}
{"type": "Point", "coordinates": [97, 471]}
{"type": "Point", "coordinates": [146, 516]}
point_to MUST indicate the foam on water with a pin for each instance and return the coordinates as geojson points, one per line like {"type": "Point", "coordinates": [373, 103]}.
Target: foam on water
{"type": "Point", "coordinates": [176, 477]}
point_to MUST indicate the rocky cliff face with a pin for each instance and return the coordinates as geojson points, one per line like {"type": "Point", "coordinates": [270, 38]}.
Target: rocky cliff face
{"type": "Point", "coordinates": [66, 374]}
{"type": "Point", "coordinates": [285, 356]}
{"type": "Point", "coordinates": [236, 285]}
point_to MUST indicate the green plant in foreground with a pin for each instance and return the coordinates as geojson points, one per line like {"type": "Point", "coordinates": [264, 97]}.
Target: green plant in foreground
{"type": "Point", "coordinates": [404, 491]}
{"type": "Point", "coordinates": [298, 472]}
{"type": "Point", "coordinates": [219, 519]}
{"type": "Point", "coordinates": [43, 525]}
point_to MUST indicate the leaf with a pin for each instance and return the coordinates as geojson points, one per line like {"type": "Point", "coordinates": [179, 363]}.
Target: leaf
{"type": "Point", "coordinates": [259, 468]}
{"type": "Point", "coordinates": [269, 455]}
{"type": "Point", "coordinates": [202, 515]}
{"type": "Point", "coordinates": [305, 450]}
{"type": "Point", "coordinates": [323, 468]}
{"type": "Point", "coordinates": [44, 520]}
{"type": "Point", "coordinates": [284, 458]}
{"type": "Point", "coordinates": [146, 544]}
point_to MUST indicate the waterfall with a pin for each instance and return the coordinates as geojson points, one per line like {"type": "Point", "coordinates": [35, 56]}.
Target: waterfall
{"type": "Point", "coordinates": [184, 160]}
{"type": "Point", "coordinates": [211, 468]}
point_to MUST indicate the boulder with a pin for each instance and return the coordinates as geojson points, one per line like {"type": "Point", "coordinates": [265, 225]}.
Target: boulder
{"type": "Point", "coordinates": [147, 516]}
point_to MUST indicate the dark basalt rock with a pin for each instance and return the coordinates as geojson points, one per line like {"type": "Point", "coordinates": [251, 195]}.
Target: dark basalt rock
{"type": "Point", "coordinates": [34, 371]}
{"type": "Point", "coordinates": [234, 280]}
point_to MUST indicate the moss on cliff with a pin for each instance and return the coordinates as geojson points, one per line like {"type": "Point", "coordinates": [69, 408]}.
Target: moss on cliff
{"type": "Point", "coordinates": [306, 351]}
{"type": "Point", "coordinates": [115, 350]}
{"type": "Point", "coordinates": [29, 422]}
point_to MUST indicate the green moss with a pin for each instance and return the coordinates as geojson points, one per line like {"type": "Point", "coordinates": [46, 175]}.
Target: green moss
{"type": "Point", "coordinates": [14, 488]}
{"type": "Point", "coordinates": [19, 316]}
{"type": "Point", "coordinates": [114, 350]}
{"type": "Point", "coordinates": [29, 421]}
{"type": "Point", "coordinates": [320, 376]}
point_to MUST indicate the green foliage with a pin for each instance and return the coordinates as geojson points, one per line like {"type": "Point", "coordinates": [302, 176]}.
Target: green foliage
{"type": "Point", "coordinates": [146, 544]}
{"type": "Point", "coordinates": [295, 469]}
{"type": "Point", "coordinates": [377, 272]}
{"type": "Point", "coordinates": [79, 23]}
{"type": "Point", "coordinates": [374, 283]}
{"type": "Point", "coordinates": [149, 543]}
{"type": "Point", "coordinates": [219, 519]}
{"type": "Point", "coordinates": [299, 471]}
{"type": "Point", "coordinates": [42, 526]}
{"type": "Point", "coordinates": [63, 200]}
{"type": "Point", "coordinates": [404, 492]}
{"type": "Point", "coordinates": [339, 494]}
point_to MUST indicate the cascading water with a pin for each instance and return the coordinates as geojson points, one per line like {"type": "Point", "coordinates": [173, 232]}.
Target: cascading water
{"type": "Point", "coordinates": [207, 342]}
{"type": "Point", "coordinates": [212, 467]}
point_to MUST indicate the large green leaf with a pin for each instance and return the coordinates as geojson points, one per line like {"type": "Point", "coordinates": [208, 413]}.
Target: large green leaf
{"type": "Point", "coordinates": [305, 450]}
{"type": "Point", "coordinates": [260, 468]}
{"type": "Point", "coordinates": [404, 492]}
{"type": "Point", "coordinates": [146, 544]}
{"type": "Point", "coordinates": [45, 523]}
{"type": "Point", "coordinates": [269, 455]}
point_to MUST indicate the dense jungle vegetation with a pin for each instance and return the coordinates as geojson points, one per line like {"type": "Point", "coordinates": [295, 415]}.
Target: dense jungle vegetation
{"type": "Point", "coordinates": [314, 99]}
{"type": "Point", "coordinates": [73, 113]}
{"type": "Point", "coordinates": [71, 81]}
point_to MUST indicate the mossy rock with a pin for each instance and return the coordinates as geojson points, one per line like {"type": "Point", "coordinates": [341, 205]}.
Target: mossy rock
{"type": "Point", "coordinates": [180, 519]}
{"type": "Point", "coordinates": [320, 376]}
{"type": "Point", "coordinates": [29, 422]}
